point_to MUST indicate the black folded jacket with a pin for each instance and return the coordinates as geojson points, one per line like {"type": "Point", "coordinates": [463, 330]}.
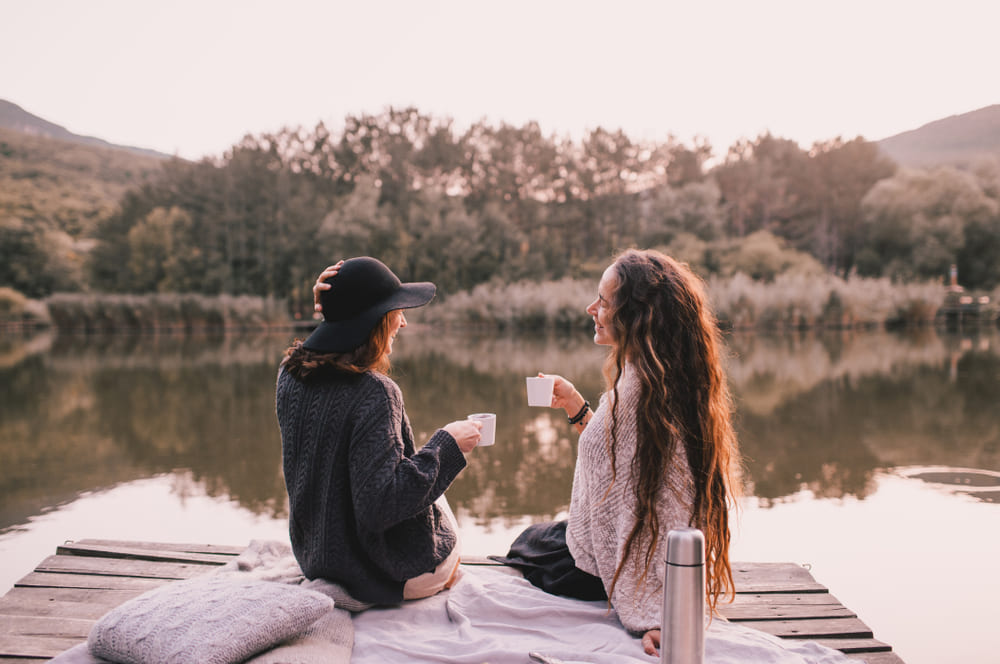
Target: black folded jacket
{"type": "Point", "coordinates": [541, 554]}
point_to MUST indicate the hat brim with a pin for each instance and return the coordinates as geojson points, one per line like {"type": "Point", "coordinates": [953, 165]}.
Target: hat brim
{"type": "Point", "coordinates": [346, 335]}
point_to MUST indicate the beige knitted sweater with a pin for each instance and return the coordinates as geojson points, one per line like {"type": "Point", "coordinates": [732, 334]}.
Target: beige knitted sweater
{"type": "Point", "coordinates": [599, 525]}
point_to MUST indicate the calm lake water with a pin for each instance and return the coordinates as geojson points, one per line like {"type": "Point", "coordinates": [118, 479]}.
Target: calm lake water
{"type": "Point", "coordinates": [874, 458]}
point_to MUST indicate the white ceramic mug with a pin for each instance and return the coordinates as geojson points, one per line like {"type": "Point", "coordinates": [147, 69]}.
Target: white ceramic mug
{"type": "Point", "coordinates": [489, 430]}
{"type": "Point", "coordinates": [540, 390]}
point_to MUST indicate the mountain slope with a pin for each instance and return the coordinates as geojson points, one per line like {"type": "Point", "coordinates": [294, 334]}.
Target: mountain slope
{"type": "Point", "coordinates": [16, 118]}
{"type": "Point", "coordinates": [958, 139]}
{"type": "Point", "coordinates": [52, 184]}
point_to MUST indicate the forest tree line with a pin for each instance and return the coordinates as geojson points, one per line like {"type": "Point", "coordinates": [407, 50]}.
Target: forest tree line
{"type": "Point", "coordinates": [505, 203]}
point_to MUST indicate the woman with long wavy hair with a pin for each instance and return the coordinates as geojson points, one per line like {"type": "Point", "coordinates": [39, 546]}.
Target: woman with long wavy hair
{"type": "Point", "coordinates": [660, 451]}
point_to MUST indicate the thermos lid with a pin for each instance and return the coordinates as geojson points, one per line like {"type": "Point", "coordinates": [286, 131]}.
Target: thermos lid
{"type": "Point", "coordinates": [685, 546]}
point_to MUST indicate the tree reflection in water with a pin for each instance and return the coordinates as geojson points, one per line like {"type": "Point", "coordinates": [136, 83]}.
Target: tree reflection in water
{"type": "Point", "coordinates": [821, 412]}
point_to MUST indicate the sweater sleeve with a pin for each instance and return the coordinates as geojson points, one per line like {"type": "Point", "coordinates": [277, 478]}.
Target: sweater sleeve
{"type": "Point", "coordinates": [389, 481]}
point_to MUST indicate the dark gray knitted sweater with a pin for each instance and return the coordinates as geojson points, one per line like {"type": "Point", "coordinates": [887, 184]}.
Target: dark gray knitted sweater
{"type": "Point", "coordinates": [361, 499]}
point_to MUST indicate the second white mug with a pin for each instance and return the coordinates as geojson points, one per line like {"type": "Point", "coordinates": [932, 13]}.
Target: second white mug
{"type": "Point", "coordinates": [489, 430]}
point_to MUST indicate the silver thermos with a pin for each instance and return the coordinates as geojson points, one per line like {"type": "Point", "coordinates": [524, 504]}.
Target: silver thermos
{"type": "Point", "coordinates": [682, 635]}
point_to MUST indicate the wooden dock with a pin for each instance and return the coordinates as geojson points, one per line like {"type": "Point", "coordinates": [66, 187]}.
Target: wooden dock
{"type": "Point", "coordinates": [53, 608]}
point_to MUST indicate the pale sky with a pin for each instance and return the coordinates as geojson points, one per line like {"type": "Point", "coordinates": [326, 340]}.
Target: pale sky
{"type": "Point", "coordinates": [191, 77]}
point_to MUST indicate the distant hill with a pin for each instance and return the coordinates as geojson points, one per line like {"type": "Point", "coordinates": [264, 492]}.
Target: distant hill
{"type": "Point", "coordinates": [55, 189]}
{"type": "Point", "coordinates": [958, 139]}
{"type": "Point", "coordinates": [65, 186]}
{"type": "Point", "coordinates": [16, 118]}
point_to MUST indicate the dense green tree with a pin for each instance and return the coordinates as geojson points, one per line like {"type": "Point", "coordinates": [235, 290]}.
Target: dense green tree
{"type": "Point", "coordinates": [149, 244]}
{"type": "Point", "coordinates": [763, 256]}
{"type": "Point", "coordinates": [978, 264]}
{"type": "Point", "coordinates": [687, 165]}
{"type": "Point", "coordinates": [811, 199]}
{"type": "Point", "coordinates": [613, 171]}
{"type": "Point", "coordinates": [840, 175]}
{"type": "Point", "coordinates": [109, 260]}
{"type": "Point", "coordinates": [694, 251]}
{"type": "Point", "coordinates": [757, 182]}
{"type": "Point", "coordinates": [164, 254]}
{"type": "Point", "coordinates": [693, 208]}
{"type": "Point", "coordinates": [916, 221]}
{"type": "Point", "coordinates": [358, 225]}
{"type": "Point", "coordinates": [23, 258]}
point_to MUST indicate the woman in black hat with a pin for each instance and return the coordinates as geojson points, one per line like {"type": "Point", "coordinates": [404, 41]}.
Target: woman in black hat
{"type": "Point", "coordinates": [366, 510]}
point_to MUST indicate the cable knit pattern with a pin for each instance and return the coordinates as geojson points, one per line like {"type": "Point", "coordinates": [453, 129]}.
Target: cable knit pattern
{"type": "Point", "coordinates": [209, 620]}
{"type": "Point", "coordinates": [361, 498]}
{"type": "Point", "coordinates": [599, 525]}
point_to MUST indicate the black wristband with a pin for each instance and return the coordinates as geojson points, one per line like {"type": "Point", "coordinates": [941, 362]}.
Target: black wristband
{"type": "Point", "coordinates": [576, 419]}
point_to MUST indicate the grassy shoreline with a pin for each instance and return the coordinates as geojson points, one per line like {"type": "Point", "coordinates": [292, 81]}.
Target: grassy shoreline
{"type": "Point", "coordinates": [163, 312]}
{"type": "Point", "coordinates": [789, 302]}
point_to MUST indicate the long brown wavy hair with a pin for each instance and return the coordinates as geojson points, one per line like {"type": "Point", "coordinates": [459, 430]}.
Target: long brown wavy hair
{"type": "Point", "coordinates": [665, 328]}
{"type": "Point", "coordinates": [373, 355]}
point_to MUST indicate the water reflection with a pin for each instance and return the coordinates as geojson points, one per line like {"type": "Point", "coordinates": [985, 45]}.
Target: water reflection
{"type": "Point", "coordinates": [816, 412]}
{"type": "Point", "coordinates": [87, 413]}
{"type": "Point", "coordinates": [983, 485]}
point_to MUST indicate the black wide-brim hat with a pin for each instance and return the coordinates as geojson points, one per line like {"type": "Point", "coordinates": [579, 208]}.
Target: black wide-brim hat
{"type": "Point", "coordinates": [361, 293]}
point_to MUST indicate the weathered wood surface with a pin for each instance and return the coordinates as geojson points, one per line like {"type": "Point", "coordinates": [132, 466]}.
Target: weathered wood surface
{"type": "Point", "coordinates": [53, 608]}
{"type": "Point", "coordinates": [145, 552]}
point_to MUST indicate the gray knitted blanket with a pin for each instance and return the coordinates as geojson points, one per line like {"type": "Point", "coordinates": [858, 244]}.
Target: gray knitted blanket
{"type": "Point", "coordinates": [269, 560]}
{"type": "Point", "coordinates": [327, 638]}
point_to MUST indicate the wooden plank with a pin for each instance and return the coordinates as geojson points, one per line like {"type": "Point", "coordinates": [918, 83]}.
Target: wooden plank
{"type": "Point", "coordinates": [69, 628]}
{"type": "Point", "coordinates": [876, 657]}
{"type": "Point", "coordinates": [221, 549]}
{"type": "Point", "coordinates": [771, 599]}
{"type": "Point", "coordinates": [765, 569]}
{"type": "Point", "coordinates": [35, 649]}
{"type": "Point", "coordinates": [845, 628]}
{"type": "Point", "coordinates": [63, 602]}
{"type": "Point", "coordinates": [769, 586]}
{"type": "Point", "coordinates": [121, 567]}
{"type": "Point", "coordinates": [134, 553]}
{"type": "Point", "coordinates": [53, 580]}
{"type": "Point", "coordinates": [776, 611]}
{"type": "Point", "coordinates": [852, 646]}
{"type": "Point", "coordinates": [77, 595]}
{"type": "Point", "coordinates": [774, 577]}
{"type": "Point", "coordinates": [32, 636]}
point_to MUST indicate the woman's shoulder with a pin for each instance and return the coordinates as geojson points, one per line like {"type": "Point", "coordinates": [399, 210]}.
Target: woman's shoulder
{"type": "Point", "coordinates": [627, 386]}
{"type": "Point", "coordinates": [630, 376]}
{"type": "Point", "coordinates": [378, 387]}
{"type": "Point", "coordinates": [377, 381]}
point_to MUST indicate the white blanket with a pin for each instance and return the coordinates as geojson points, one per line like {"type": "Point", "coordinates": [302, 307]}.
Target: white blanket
{"type": "Point", "coordinates": [495, 617]}
{"type": "Point", "coordinates": [491, 615]}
